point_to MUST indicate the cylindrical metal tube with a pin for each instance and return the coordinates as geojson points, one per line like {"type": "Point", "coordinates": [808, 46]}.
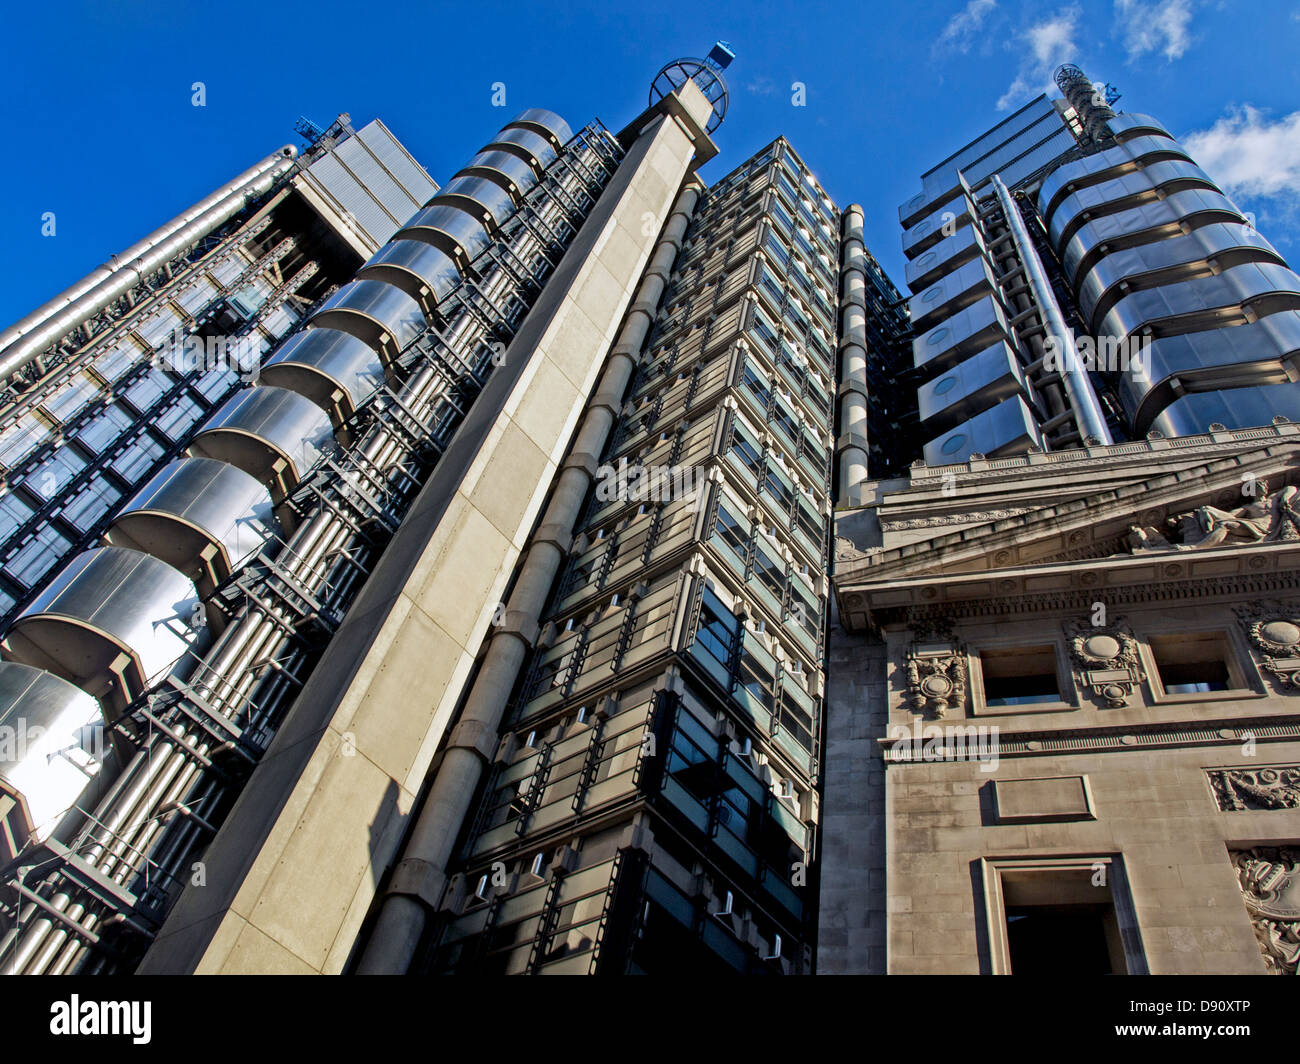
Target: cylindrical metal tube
{"type": "Point", "coordinates": [75, 306]}
{"type": "Point", "coordinates": [1087, 410]}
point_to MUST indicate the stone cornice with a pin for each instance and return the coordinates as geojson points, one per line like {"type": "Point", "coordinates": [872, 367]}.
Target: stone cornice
{"type": "Point", "coordinates": [1257, 569]}
{"type": "Point", "coordinates": [1102, 519]}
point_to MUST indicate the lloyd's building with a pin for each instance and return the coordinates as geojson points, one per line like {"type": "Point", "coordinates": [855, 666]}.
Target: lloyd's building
{"type": "Point", "coordinates": [529, 573]}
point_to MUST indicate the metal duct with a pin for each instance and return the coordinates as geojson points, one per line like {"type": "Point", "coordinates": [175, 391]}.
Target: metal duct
{"type": "Point", "coordinates": [76, 305]}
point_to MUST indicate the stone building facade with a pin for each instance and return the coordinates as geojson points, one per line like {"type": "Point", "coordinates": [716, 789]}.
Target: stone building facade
{"type": "Point", "coordinates": [1063, 719]}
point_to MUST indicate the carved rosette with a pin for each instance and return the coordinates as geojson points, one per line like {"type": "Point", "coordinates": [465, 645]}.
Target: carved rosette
{"type": "Point", "coordinates": [1269, 877]}
{"type": "Point", "coordinates": [1239, 789]}
{"type": "Point", "coordinates": [1274, 631]}
{"type": "Point", "coordinates": [936, 679]}
{"type": "Point", "coordinates": [1105, 660]}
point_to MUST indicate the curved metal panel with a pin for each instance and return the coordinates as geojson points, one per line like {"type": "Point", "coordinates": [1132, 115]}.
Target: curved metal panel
{"type": "Point", "coordinates": [1167, 367]}
{"type": "Point", "coordinates": [970, 387]}
{"type": "Point", "coordinates": [199, 515]}
{"type": "Point", "coordinates": [61, 746]}
{"type": "Point", "coordinates": [505, 168]}
{"type": "Point", "coordinates": [1119, 193]}
{"type": "Point", "coordinates": [952, 292]}
{"type": "Point", "coordinates": [948, 254]}
{"type": "Point", "coordinates": [260, 427]}
{"type": "Point", "coordinates": [1126, 126]}
{"type": "Point", "coordinates": [1144, 266]}
{"type": "Point", "coordinates": [940, 223]}
{"type": "Point", "coordinates": [1237, 408]}
{"type": "Point", "coordinates": [381, 314]}
{"type": "Point", "coordinates": [529, 145]}
{"type": "Point", "coordinates": [548, 123]}
{"type": "Point", "coordinates": [967, 331]}
{"type": "Point", "coordinates": [413, 265]}
{"type": "Point", "coordinates": [1206, 302]}
{"type": "Point", "coordinates": [318, 363]}
{"type": "Point", "coordinates": [484, 199]}
{"type": "Point", "coordinates": [448, 227]}
{"type": "Point", "coordinates": [1093, 169]}
{"type": "Point", "coordinates": [111, 621]}
{"type": "Point", "coordinates": [1008, 428]}
{"type": "Point", "coordinates": [1189, 209]}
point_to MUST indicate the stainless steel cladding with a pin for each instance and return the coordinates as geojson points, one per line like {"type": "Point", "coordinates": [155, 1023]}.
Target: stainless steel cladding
{"type": "Point", "coordinates": [943, 222]}
{"type": "Point", "coordinates": [1144, 224]}
{"type": "Point", "coordinates": [1205, 302]}
{"type": "Point", "coordinates": [485, 200]}
{"type": "Point", "coordinates": [954, 291]}
{"type": "Point", "coordinates": [54, 732]}
{"type": "Point", "coordinates": [333, 369]}
{"type": "Point", "coordinates": [112, 622]}
{"type": "Point", "coordinates": [422, 271]}
{"type": "Point", "coordinates": [199, 515]}
{"type": "Point", "coordinates": [505, 168]}
{"type": "Point", "coordinates": [529, 145]}
{"type": "Point", "coordinates": [548, 123]}
{"type": "Point", "coordinates": [1155, 182]}
{"type": "Point", "coordinates": [949, 253]}
{"type": "Point", "coordinates": [1104, 166]}
{"type": "Point", "coordinates": [1008, 428]}
{"type": "Point", "coordinates": [1260, 353]}
{"type": "Point", "coordinates": [970, 387]}
{"type": "Point", "coordinates": [450, 228]}
{"type": "Point", "coordinates": [1221, 246]}
{"type": "Point", "coordinates": [270, 433]}
{"type": "Point", "coordinates": [1237, 408]}
{"type": "Point", "coordinates": [966, 332]}
{"type": "Point", "coordinates": [379, 313]}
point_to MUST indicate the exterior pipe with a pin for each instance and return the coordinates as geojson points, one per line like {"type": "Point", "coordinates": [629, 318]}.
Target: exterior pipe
{"type": "Point", "coordinates": [851, 445]}
{"type": "Point", "coordinates": [72, 308]}
{"type": "Point", "coordinates": [225, 678]}
{"type": "Point", "coordinates": [402, 917]}
{"type": "Point", "coordinates": [1083, 400]}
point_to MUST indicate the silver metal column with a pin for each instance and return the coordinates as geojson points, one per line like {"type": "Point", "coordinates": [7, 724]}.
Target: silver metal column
{"type": "Point", "coordinates": [1083, 400]}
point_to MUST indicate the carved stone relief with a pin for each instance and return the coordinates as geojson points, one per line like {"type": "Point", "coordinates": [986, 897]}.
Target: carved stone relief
{"type": "Point", "coordinates": [936, 678]}
{"type": "Point", "coordinates": [1274, 631]}
{"type": "Point", "coordinates": [1269, 877]}
{"type": "Point", "coordinates": [1106, 660]}
{"type": "Point", "coordinates": [1268, 519]}
{"type": "Point", "coordinates": [1240, 789]}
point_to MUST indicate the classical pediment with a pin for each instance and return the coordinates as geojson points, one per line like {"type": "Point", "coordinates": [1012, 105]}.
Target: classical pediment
{"type": "Point", "coordinates": [1172, 525]}
{"type": "Point", "coordinates": [1235, 501]}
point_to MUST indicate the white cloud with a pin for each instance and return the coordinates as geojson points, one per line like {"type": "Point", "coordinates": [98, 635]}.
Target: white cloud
{"type": "Point", "coordinates": [1162, 26]}
{"type": "Point", "coordinates": [1043, 47]}
{"type": "Point", "coordinates": [959, 34]}
{"type": "Point", "coordinates": [1248, 155]}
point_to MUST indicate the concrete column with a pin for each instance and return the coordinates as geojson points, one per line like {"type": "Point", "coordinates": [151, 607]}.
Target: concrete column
{"type": "Point", "coordinates": [851, 439]}
{"type": "Point", "coordinates": [421, 874]}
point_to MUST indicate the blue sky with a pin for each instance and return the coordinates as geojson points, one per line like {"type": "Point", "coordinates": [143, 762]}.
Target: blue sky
{"type": "Point", "coordinates": [102, 132]}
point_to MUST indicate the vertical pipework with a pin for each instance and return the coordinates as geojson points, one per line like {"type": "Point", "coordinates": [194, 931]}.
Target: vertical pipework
{"type": "Point", "coordinates": [421, 873]}
{"type": "Point", "coordinates": [1083, 400]}
{"type": "Point", "coordinates": [851, 440]}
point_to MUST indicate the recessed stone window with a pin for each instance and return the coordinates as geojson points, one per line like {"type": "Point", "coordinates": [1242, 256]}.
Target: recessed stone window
{"type": "Point", "coordinates": [1018, 676]}
{"type": "Point", "coordinates": [1048, 916]}
{"type": "Point", "coordinates": [1196, 663]}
